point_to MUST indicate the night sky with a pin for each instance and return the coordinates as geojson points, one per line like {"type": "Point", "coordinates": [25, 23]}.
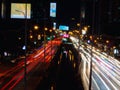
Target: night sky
{"type": "Point", "coordinates": [67, 9]}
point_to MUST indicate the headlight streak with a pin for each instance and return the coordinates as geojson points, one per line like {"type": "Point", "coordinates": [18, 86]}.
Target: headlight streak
{"type": "Point", "coordinates": [107, 72]}
{"type": "Point", "coordinates": [111, 70]}
{"type": "Point", "coordinates": [106, 86]}
{"type": "Point", "coordinates": [94, 70]}
{"type": "Point", "coordinates": [114, 71]}
{"type": "Point", "coordinates": [108, 66]}
{"type": "Point", "coordinates": [104, 75]}
{"type": "Point", "coordinates": [111, 79]}
{"type": "Point", "coordinates": [109, 63]}
{"type": "Point", "coordinates": [109, 59]}
{"type": "Point", "coordinates": [94, 82]}
{"type": "Point", "coordinates": [85, 78]}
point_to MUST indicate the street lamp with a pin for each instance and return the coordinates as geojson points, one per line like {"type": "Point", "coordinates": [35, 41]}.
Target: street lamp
{"type": "Point", "coordinates": [107, 41]}
{"type": "Point", "coordinates": [78, 24]}
{"type": "Point", "coordinates": [36, 27]}
{"type": "Point", "coordinates": [25, 69]}
{"type": "Point", "coordinates": [45, 29]}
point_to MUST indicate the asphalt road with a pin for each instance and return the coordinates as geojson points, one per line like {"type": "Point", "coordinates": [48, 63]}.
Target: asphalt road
{"type": "Point", "coordinates": [63, 71]}
{"type": "Point", "coordinates": [60, 74]}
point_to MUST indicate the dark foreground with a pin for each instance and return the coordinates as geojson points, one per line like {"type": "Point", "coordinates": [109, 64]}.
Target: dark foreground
{"type": "Point", "coordinates": [63, 72]}
{"type": "Point", "coordinates": [60, 74]}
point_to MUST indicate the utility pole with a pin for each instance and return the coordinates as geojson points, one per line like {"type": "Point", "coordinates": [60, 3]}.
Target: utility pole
{"type": "Point", "coordinates": [93, 24]}
{"type": "Point", "coordinates": [25, 47]}
{"type": "Point", "coordinates": [25, 69]}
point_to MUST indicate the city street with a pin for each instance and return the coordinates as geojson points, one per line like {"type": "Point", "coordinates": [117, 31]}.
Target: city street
{"type": "Point", "coordinates": [63, 72]}
{"type": "Point", "coordinates": [59, 45]}
{"type": "Point", "coordinates": [105, 69]}
{"type": "Point", "coordinates": [16, 76]}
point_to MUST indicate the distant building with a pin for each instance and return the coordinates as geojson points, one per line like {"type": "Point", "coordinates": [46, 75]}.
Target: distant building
{"type": "Point", "coordinates": [110, 16]}
{"type": "Point", "coordinates": [103, 16]}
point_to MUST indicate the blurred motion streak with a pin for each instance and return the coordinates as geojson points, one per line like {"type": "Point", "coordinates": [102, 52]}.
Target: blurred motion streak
{"type": "Point", "coordinates": [105, 70]}
{"type": "Point", "coordinates": [10, 78]}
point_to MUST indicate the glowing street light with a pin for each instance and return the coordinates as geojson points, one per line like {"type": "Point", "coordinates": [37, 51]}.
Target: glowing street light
{"type": "Point", "coordinates": [107, 41]}
{"type": "Point", "coordinates": [78, 24]}
{"type": "Point", "coordinates": [36, 27]}
{"type": "Point", "coordinates": [45, 28]}
{"type": "Point", "coordinates": [50, 30]}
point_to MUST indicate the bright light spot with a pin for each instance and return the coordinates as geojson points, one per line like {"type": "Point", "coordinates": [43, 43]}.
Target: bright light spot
{"type": "Point", "coordinates": [36, 27]}
{"type": "Point", "coordinates": [35, 42]}
{"type": "Point", "coordinates": [5, 53]}
{"type": "Point", "coordinates": [74, 65]}
{"type": "Point", "coordinates": [58, 62]}
{"type": "Point", "coordinates": [24, 47]}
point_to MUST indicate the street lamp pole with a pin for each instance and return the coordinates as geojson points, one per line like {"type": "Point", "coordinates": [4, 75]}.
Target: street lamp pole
{"type": "Point", "coordinates": [51, 42]}
{"type": "Point", "coordinates": [25, 38]}
{"type": "Point", "coordinates": [93, 23]}
{"type": "Point", "coordinates": [44, 11]}
{"type": "Point", "coordinates": [25, 73]}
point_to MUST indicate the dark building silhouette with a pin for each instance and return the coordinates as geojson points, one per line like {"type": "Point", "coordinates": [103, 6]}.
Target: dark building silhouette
{"type": "Point", "coordinates": [109, 11]}
{"type": "Point", "coordinates": [103, 16]}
